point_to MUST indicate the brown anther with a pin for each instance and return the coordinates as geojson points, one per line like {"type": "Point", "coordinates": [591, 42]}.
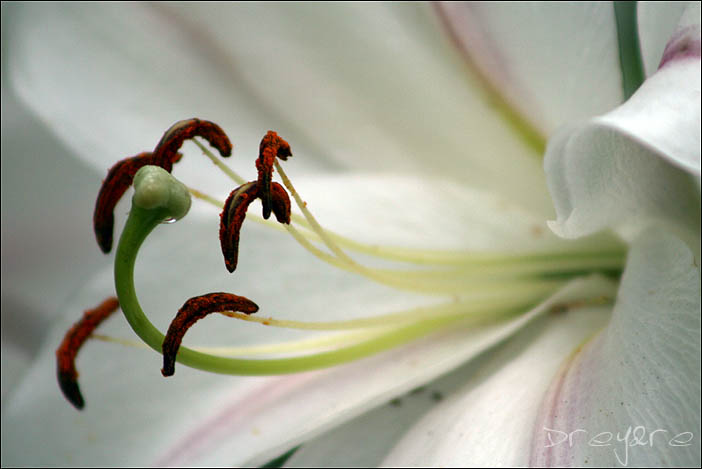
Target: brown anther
{"type": "Point", "coordinates": [281, 203]}
{"type": "Point", "coordinates": [71, 344]}
{"type": "Point", "coordinates": [119, 178]}
{"type": "Point", "coordinates": [183, 130]}
{"type": "Point", "coordinates": [194, 309]}
{"type": "Point", "coordinates": [272, 146]}
{"type": "Point", "coordinates": [121, 175]}
{"type": "Point", "coordinates": [231, 219]}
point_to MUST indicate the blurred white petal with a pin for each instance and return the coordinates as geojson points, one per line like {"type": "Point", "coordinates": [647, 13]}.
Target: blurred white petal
{"type": "Point", "coordinates": [375, 88]}
{"type": "Point", "coordinates": [237, 419]}
{"type": "Point", "coordinates": [45, 231]}
{"type": "Point", "coordinates": [555, 63]}
{"type": "Point", "coordinates": [232, 419]}
{"type": "Point", "coordinates": [656, 22]}
{"type": "Point", "coordinates": [399, 101]}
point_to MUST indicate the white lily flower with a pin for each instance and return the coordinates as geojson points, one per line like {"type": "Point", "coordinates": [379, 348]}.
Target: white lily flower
{"type": "Point", "coordinates": [401, 142]}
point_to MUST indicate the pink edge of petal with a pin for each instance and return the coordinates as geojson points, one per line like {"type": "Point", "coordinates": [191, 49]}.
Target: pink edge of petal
{"type": "Point", "coordinates": [684, 43]}
{"type": "Point", "coordinates": [555, 432]}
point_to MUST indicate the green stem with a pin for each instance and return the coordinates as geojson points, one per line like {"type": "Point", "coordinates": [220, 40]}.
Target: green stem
{"type": "Point", "coordinates": [629, 48]}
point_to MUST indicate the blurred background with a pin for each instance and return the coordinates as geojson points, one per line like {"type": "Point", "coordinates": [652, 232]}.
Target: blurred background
{"type": "Point", "coordinates": [40, 225]}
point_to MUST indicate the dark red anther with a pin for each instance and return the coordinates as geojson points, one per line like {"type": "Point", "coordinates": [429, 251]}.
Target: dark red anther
{"type": "Point", "coordinates": [231, 219]}
{"type": "Point", "coordinates": [272, 146]}
{"type": "Point", "coordinates": [193, 310]}
{"type": "Point", "coordinates": [183, 130]}
{"type": "Point", "coordinates": [119, 178]}
{"type": "Point", "coordinates": [234, 213]}
{"type": "Point", "coordinates": [71, 344]}
{"type": "Point", "coordinates": [281, 203]}
{"type": "Point", "coordinates": [121, 175]}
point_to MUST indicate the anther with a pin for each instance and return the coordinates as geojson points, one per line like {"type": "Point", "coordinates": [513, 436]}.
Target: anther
{"type": "Point", "coordinates": [231, 219]}
{"type": "Point", "coordinates": [272, 146]}
{"type": "Point", "coordinates": [194, 309]}
{"type": "Point", "coordinates": [71, 344]}
{"type": "Point", "coordinates": [118, 180]}
{"type": "Point", "coordinates": [121, 175]}
{"type": "Point", "coordinates": [234, 213]}
{"type": "Point", "coordinates": [281, 203]}
{"type": "Point", "coordinates": [183, 130]}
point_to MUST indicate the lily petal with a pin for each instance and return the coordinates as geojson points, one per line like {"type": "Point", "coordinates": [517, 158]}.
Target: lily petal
{"type": "Point", "coordinates": [110, 79]}
{"type": "Point", "coordinates": [554, 63]}
{"type": "Point", "coordinates": [409, 418]}
{"type": "Point", "coordinates": [631, 374]}
{"type": "Point", "coordinates": [44, 218]}
{"type": "Point", "coordinates": [249, 71]}
{"type": "Point", "coordinates": [164, 424]}
{"type": "Point", "coordinates": [640, 378]}
{"type": "Point", "coordinates": [487, 420]}
{"type": "Point", "coordinates": [366, 440]}
{"type": "Point", "coordinates": [657, 21]}
{"type": "Point", "coordinates": [234, 420]}
{"type": "Point", "coordinates": [640, 162]}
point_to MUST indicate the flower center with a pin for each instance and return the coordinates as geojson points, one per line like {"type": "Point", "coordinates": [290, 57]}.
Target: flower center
{"type": "Point", "coordinates": [475, 288]}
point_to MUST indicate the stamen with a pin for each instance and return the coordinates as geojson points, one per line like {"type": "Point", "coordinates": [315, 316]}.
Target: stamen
{"type": "Point", "coordinates": [70, 345]}
{"type": "Point", "coordinates": [234, 213]}
{"type": "Point", "coordinates": [316, 227]}
{"type": "Point", "coordinates": [231, 219]}
{"type": "Point", "coordinates": [281, 203]}
{"type": "Point", "coordinates": [315, 344]}
{"type": "Point", "coordinates": [272, 146]}
{"type": "Point", "coordinates": [183, 130]}
{"type": "Point", "coordinates": [193, 310]}
{"type": "Point", "coordinates": [605, 245]}
{"type": "Point", "coordinates": [477, 284]}
{"type": "Point", "coordinates": [231, 174]}
{"type": "Point", "coordinates": [121, 175]}
{"type": "Point", "coordinates": [118, 180]}
{"type": "Point", "coordinates": [473, 269]}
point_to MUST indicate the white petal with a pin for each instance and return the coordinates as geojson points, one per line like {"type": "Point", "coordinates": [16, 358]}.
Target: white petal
{"type": "Point", "coordinates": [45, 232]}
{"type": "Point", "coordinates": [632, 395]}
{"type": "Point", "coordinates": [366, 440]}
{"type": "Point", "coordinates": [656, 22]}
{"type": "Point", "coordinates": [431, 213]}
{"type": "Point", "coordinates": [555, 63]}
{"type": "Point", "coordinates": [684, 43]}
{"type": "Point", "coordinates": [233, 420]}
{"type": "Point", "coordinates": [487, 421]}
{"type": "Point", "coordinates": [15, 361]}
{"type": "Point", "coordinates": [640, 162]}
{"type": "Point", "coordinates": [111, 79]}
{"type": "Point", "coordinates": [376, 86]}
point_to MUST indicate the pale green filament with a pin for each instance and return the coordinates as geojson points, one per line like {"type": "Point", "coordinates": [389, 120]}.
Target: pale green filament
{"type": "Point", "coordinates": [476, 281]}
{"type": "Point", "coordinates": [223, 167]}
{"type": "Point", "coordinates": [606, 247]}
{"type": "Point", "coordinates": [538, 271]}
{"type": "Point", "coordinates": [142, 220]}
{"type": "Point", "coordinates": [357, 330]}
{"type": "Point", "coordinates": [308, 345]}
